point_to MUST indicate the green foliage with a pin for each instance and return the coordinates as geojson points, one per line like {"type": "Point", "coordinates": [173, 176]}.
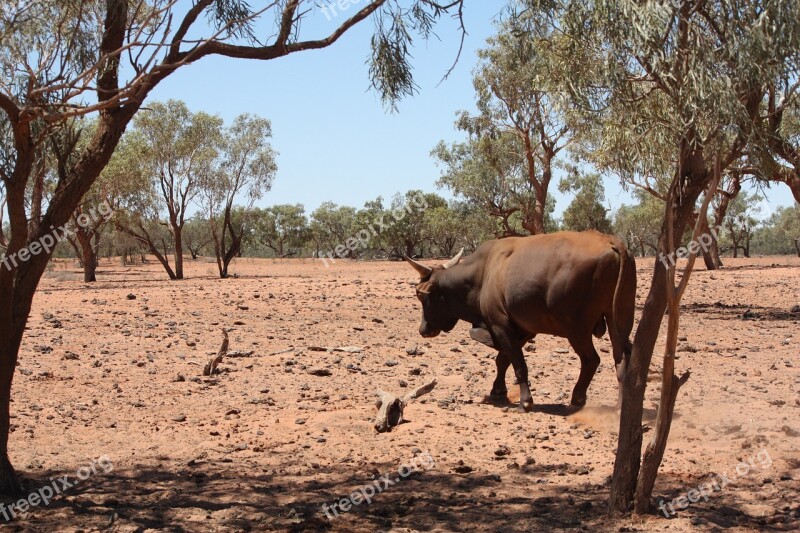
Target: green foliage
{"type": "Point", "coordinates": [586, 211]}
{"type": "Point", "coordinates": [780, 234]}
{"type": "Point", "coordinates": [406, 232]}
{"type": "Point", "coordinates": [281, 228]}
{"type": "Point", "coordinates": [639, 225]}
{"type": "Point", "coordinates": [331, 226]}
{"type": "Point", "coordinates": [506, 164]}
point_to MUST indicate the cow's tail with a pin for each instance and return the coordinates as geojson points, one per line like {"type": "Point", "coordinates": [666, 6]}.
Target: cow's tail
{"type": "Point", "coordinates": [623, 323]}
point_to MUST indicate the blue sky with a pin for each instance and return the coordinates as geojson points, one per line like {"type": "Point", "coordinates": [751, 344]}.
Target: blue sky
{"type": "Point", "coordinates": [335, 139]}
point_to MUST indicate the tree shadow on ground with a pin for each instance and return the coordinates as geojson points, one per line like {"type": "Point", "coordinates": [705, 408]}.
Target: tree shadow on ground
{"type": "Point", "coordinates": [219, 496]}
{"type": "Point", "coordinates": [722, 311]}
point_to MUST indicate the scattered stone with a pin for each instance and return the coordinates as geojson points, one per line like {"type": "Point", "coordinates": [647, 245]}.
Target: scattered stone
{"type": "Point", "coordinates": [179, 418]}
{"type": "Point", "coordinates": [461, 468]}
{"type": "Point", "coordinates": [320, 372]}
{"type": "Point", "coordinates": [131, 296]}
{"type": "Point", "coordinates": [416, 350]}
{"type": "Point", "coordinates": [502, 451]}
{"type": "Point", "coordinates": [300, 421]}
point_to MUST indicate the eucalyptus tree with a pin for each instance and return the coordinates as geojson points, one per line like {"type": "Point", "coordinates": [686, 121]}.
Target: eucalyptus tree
{"type": "Point", "coordinates": [104, 57]}
{"type": "Point", "coordinates": [405, 221]}
{"type": "Point", "coordinates": [180, 149]}
{"type": "Point", "coordinates": [640, 224]}
{"type": "Point", "coordinates": [740, 222]}
{"type": "Point", "coordinates": [674, 89]}
{"type": "Point", "coordinates": [445, 227]}
{"type": "Point", "coordinates": [781, 124]}
{"type": "Point", "coordinates": [243, 173]}
{"type": "Point", "coordinates": [487, 173]}
{"type": "Point", "coordinates": [780, 234]}
{"type": "Point", "coordinates": [331, 226]}
{"type": "Point", "coordinates": [521, 126]}
{"type": "Point", "coordinates": [586, 211]}
{"type": "Point", "coordinates": [196, 236]}
{"type": "Point", "coordinates": [281, 228]}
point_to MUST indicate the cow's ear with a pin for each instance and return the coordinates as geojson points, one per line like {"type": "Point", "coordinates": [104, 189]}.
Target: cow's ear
{"type": "Point", "coordinates": [454, 261]}
{"type": "Point", "coordinates": [424, 288]}
{"type": "Point", "coordinates": [423, 271]}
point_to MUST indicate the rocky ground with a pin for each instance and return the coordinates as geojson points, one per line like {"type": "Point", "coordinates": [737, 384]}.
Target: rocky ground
{"type": "Point", "coordinates": [109, 388]}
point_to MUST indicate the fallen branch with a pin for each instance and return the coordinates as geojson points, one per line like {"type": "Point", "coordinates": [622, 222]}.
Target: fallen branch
{"type": "Point", "coordinates": [390, 407]}
{"type": "Point", "coordinates": [239, 353]}
{"type": "Point", "coordinates": [211, 366]}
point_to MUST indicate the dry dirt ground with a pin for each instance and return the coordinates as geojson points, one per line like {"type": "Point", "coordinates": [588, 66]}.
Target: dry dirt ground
{"type": "Point", "coordinates": [109, 387]}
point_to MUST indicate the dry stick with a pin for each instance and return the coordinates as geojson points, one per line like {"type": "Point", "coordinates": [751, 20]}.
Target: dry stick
{"type": "Point", "coordinates": [211, 366]}
{"type": "Point", "coordinates": [670, 383]}
{"type": "Point", "coordinates": [390, 407]}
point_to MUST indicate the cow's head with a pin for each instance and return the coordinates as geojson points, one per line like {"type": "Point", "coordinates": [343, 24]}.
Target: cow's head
{"type": "Point", "coordinates": [437, 316]}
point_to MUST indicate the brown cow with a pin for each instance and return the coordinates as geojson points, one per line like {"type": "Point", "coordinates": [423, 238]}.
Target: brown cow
{"type": "Point", "coordinates": [566, 284]}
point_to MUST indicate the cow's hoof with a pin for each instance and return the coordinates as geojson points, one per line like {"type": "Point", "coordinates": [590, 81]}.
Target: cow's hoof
{"type": "Point", "coordinates": [526, 407]}
{"type": "Point", "coordinates": [578, 402]}
{"type": "Point", "coordinates": [498, 394]}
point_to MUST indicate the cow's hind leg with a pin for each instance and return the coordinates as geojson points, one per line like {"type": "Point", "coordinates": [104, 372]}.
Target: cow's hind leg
{"type": "Point", "coordinates": [589, 363]}
{"type": "Point", "coordinates": [499, 389]}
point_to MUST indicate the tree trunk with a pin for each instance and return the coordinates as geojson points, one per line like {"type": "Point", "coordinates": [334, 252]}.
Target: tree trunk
{"type": "Point", "coordinates": [797, 246]}
{"type": "Point", "coordinates": [629, 448]}
{"type": "Point", "coordinates": [145, 239]}
{"type": "Point", "coordinates": [88, 256]}
{"type": "Point", "coordinates": [710, 253]}
{"type": "Point", "coordinates": [693, 180]}
{"type": "Point", "coordinates": [670, 383]}
{"type": "Point", "coordinates": [9, 350]}
{"type": "Point", "coordinates": [714, 250]}
{"type": "Point", "coordinates": [178, 252]}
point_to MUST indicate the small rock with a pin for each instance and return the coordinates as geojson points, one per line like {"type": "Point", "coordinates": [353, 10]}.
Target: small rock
{"type": "Point", "coordinates": [502, 451]}
{"type": "Point", "coordinates": [320, 372]}
{"type": "Point", "coordinates": [131, 296]}
{"type": "Point", "coordinates": [179, 418]}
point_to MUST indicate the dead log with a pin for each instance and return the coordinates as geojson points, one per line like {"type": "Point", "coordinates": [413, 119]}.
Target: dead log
{"type": "Point", "coordinates": [211, 366]}
{"type": "Point", "coordinates": [391, 407]}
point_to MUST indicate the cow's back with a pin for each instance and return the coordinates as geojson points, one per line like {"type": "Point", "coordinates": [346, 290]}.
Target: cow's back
{"type": "Point", "coordinates": [557, 284]}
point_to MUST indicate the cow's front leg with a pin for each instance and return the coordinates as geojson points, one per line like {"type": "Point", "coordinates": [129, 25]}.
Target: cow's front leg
{"type": "Point", "coordinates": [499, 389]}
{"type": "Point", "coordinates": [521, 371]}
{"type": "Point", "coordinates": [513, 351]}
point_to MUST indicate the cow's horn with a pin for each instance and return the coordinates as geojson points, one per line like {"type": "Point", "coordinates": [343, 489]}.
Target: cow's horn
{"type": "Point", "coordinates": [454, 261]}
{"type": "Point", "coordinates": [419, 267]}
